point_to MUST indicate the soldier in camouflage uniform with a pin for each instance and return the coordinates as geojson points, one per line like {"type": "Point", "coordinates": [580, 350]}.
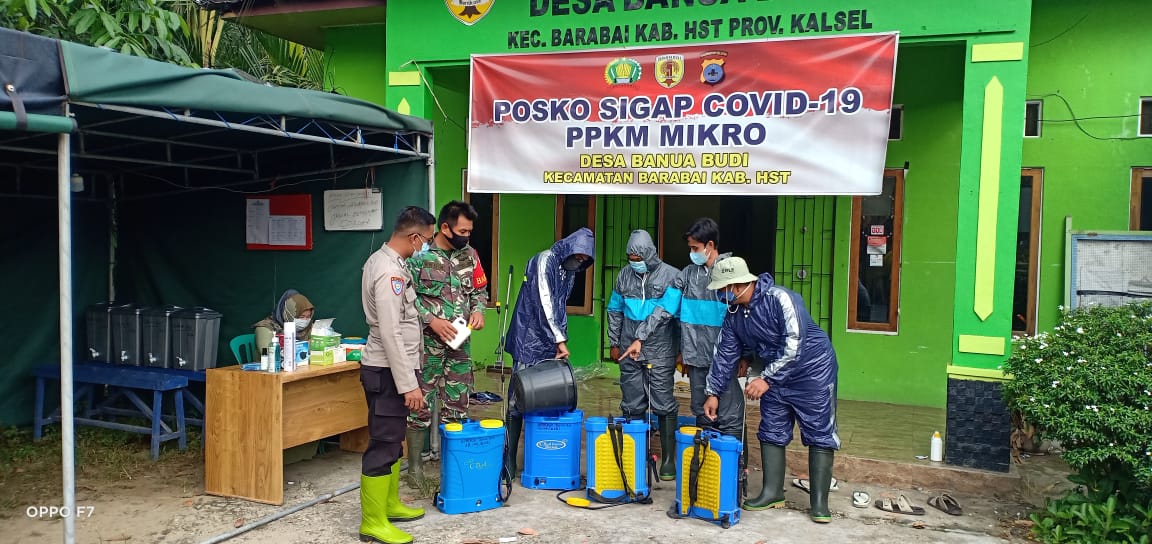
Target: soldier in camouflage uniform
{"type": "Point", "coordinates": [450, 283]}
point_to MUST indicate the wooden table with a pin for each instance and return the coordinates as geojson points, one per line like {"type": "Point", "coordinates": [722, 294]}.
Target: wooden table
{"type": "Point", "coordinates": [253, 416]}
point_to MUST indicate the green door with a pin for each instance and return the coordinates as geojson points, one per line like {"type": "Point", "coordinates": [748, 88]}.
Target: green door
{"type": "Point", "coordinates": [622, 215]}
{"type": "Point", "coordinates": [804, 240]}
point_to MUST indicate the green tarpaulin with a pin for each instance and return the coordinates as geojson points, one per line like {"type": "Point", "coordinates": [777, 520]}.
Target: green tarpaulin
{"type": "Point", "coordinates": [104, 77]}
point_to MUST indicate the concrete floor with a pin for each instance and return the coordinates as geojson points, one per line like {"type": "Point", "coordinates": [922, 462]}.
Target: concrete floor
{"type": "Point", "coordinates": [553, 521]}
{"type": "Point", "coordinates": [191, 519]}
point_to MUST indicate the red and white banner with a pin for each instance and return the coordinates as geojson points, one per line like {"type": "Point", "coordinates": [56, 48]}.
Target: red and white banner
{"type": "Point", "coordinates": [790, 116]}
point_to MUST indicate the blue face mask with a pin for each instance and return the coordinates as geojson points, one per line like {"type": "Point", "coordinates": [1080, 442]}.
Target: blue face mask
{"type": "Point", "coordinates": [699, 259]}
{"type": "Point", "coordinates": [640, 267]}
{"type": "Point", "coordinates": [726, 297]}
{"type": "Point", "coordinates": [423, 249]}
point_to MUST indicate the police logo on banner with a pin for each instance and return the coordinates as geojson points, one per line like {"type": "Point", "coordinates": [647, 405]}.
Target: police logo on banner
{"type": "Point", "coordinates": [669, 70]}
{"type": "Point", "coordinates": [712, 67]}
{"type": "Point", "coordinates": [622, 71]}
{"type": "Point", "coordinates": [397, 285]}
{"type": "Point", "coordinates": [469, 11]}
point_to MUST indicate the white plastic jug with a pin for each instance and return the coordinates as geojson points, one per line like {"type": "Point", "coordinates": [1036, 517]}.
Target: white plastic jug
{"type": "Point", "coordinates": [463, 331]}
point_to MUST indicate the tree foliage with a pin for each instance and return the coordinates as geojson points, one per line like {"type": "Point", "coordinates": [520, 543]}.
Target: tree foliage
{"type": "Point", "coordinates": [144, 28]}
{"type": "Point", "coordinates": [175, 31]}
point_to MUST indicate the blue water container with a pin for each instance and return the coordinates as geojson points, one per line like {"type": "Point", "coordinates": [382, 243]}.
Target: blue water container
{"type": "Point", "coordinates": [552, 450]}
{"type": "Point", "coordinates": [471, 459]}
{"type": "Point", "coordinates": [717, 481]}
{"type": "Point", "coordinates": [604, 479]}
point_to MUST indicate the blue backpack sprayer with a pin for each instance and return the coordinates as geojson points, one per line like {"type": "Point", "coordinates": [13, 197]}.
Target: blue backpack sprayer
{"type": "Point", "coordinates": [473, 477]}
{"type": "Point", "coordinates": [619, 467]}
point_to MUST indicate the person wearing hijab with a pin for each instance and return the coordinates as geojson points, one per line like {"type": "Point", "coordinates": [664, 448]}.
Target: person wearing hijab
{"type": "Point", "coordinates": [294, 309]}
{"type": "Point", "coordinates": [642, 331]}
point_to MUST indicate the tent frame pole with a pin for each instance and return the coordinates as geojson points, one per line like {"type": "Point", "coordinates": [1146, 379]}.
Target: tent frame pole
{"type": "Point", "coordinates": [261, 130]}
{"type": "Point", "coordinates": [431, 177]}
{"type": "Point", "coordinates": [67, 428]}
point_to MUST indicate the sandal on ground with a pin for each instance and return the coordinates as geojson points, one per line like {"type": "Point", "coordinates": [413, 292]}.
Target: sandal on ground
{"type": "Point", "coordinates": [899, 506]}
{"type": "Point", "coordinates": [861, 499]}
{"type": "Point", "coordinates": [802, 483]}
{"type": "Point", "coordinates": [945, 503]}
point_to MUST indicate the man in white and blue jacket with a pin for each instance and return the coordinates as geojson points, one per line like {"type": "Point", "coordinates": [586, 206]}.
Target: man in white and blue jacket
{"type": "Point", "coordinates": [642, 331]}
{"type": "Point", "coordinates": [539, 327]}
{"type": "Point", "coordinates": [701, 315]}
{"type": "Point", "coordinates": [798, 384]}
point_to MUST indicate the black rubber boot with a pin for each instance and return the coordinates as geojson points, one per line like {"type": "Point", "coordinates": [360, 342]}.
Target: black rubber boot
{"type": "Point", "coordinates": [819, 480]}
{"type": "Point", "coordinates": [515, 425]}
{"type": "Point", "coordinates": [415, 438]}
{"type": "Point", "coordinates": [667, 448]}
{"type": "Point", "coordinates": [772, 494]}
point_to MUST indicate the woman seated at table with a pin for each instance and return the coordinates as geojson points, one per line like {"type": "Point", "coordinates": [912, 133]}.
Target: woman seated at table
{"type": "Point", "coordinates": [295, 310]}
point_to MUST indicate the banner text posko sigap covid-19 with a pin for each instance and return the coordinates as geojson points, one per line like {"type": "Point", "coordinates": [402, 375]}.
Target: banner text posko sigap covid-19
{"type": "Point", "coordinates": [796, 116]}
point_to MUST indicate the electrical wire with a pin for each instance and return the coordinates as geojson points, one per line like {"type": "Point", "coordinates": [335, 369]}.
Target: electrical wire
{"type": "Point", "coordinates": [1076, 121]}
{"type": "Point", "coordinates": [1066, 30]}
{"type": "Point", "coordinates": [436, 100]}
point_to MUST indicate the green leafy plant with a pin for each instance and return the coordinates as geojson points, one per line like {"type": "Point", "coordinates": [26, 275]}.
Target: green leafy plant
{"type": "Point", "coordinates": [144, 28]}
{"type": "Point", "coordinates": [1088, 384]}
{"type": "Point", "coordinates": [174, 31]}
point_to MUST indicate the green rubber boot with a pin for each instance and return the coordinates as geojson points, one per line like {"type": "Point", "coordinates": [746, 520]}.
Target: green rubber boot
{"type": "Point", "coordinates": [667, 470]}
{"type": "Point", "coordinates": [514, 425]}
{"type": "Point", "coordinates": [374, 501]}
{"type": "Point", "coordinates": [772, 494]}
{"type": "Point", "coordinates": [415, 439]}
{"type": "Point", "coordinates": [397, 510]}
{"type": "Point", "coordinates": [819, 479]}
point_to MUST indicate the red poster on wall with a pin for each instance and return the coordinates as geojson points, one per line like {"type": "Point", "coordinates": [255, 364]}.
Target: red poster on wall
{"type": "Point", "coordinates": [278, 222]}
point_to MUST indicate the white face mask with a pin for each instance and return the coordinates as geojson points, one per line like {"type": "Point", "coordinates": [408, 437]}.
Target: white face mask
{"type": "Point", "coordinates": [302, 323]}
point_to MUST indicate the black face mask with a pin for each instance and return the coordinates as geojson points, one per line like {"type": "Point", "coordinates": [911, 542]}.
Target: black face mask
{"type": "Point", "coordinates": [458, 241]}
{"type": "Point", "coordinates": [571, 264]}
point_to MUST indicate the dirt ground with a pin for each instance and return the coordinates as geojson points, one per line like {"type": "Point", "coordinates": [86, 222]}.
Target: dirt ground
{"type": "Point", "coordinates": [134, 500]}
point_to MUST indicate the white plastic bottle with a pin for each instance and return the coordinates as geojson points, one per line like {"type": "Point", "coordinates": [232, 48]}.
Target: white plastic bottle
{"type": "Point", "coordinates": [289, 355]}
{"type": "Point", "coordinates": [264, 360]}
{"type": "Point", "coordinates": [463, 331]}
{"type": "Point", "coordinates": [937, 453]}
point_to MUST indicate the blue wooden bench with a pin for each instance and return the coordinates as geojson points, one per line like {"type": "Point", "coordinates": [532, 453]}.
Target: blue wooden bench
{"type": "Point", "coordinates": [123, 382]}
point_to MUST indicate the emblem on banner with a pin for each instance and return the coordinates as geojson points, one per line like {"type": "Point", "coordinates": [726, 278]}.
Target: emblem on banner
{"type": "Point", "coordinates": [669, 70]}
{"type": "Point", "coordinates": [622, 71]}
{"type": "Point", "coordinates": [397, 285]}
{"type": "Point", "coordinates": [469, 11]}
{"type": "Point", "coordinates": [712, 67]}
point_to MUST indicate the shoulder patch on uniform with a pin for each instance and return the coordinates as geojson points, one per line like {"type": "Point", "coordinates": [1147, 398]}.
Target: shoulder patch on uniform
{"type": "Point", "coordinates": [397, 285]}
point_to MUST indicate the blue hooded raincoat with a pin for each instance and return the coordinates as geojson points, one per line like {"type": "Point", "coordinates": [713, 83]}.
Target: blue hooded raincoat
{"type": "Point", "coordinates": [799, 365]}
{"type": "Point", "coordinates": [540, 319]}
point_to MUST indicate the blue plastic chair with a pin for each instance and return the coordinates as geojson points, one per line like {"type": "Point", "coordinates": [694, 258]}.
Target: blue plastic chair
{"type": "Point", "coordinates": [244, 348]}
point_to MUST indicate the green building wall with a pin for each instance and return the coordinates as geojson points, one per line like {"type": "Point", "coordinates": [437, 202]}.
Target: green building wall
{"type": "Point", "coordinates": [910, 366]}
{"type": "Point", "coordinates": [1089, 64]}
{"type": "Point", "coordinates": [942, 93]}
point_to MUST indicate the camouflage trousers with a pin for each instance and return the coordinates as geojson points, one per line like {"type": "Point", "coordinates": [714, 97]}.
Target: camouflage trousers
{"type": "Point", "coordinates": [446, 379]}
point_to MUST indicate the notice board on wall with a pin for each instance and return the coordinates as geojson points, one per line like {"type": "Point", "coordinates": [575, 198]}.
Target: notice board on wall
{"type": "Point", "coordinates": [353, 209]}
{"type": "Point", "coordinates": [278, 222]}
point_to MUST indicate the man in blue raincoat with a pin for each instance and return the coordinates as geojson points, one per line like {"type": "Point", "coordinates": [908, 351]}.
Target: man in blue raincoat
{"type": "Point", "coordinates": [798, 383]}
{"type": "Point", "coordinates": [642, 331]}
{"type": "Point", "coordinates": [539, 328]}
